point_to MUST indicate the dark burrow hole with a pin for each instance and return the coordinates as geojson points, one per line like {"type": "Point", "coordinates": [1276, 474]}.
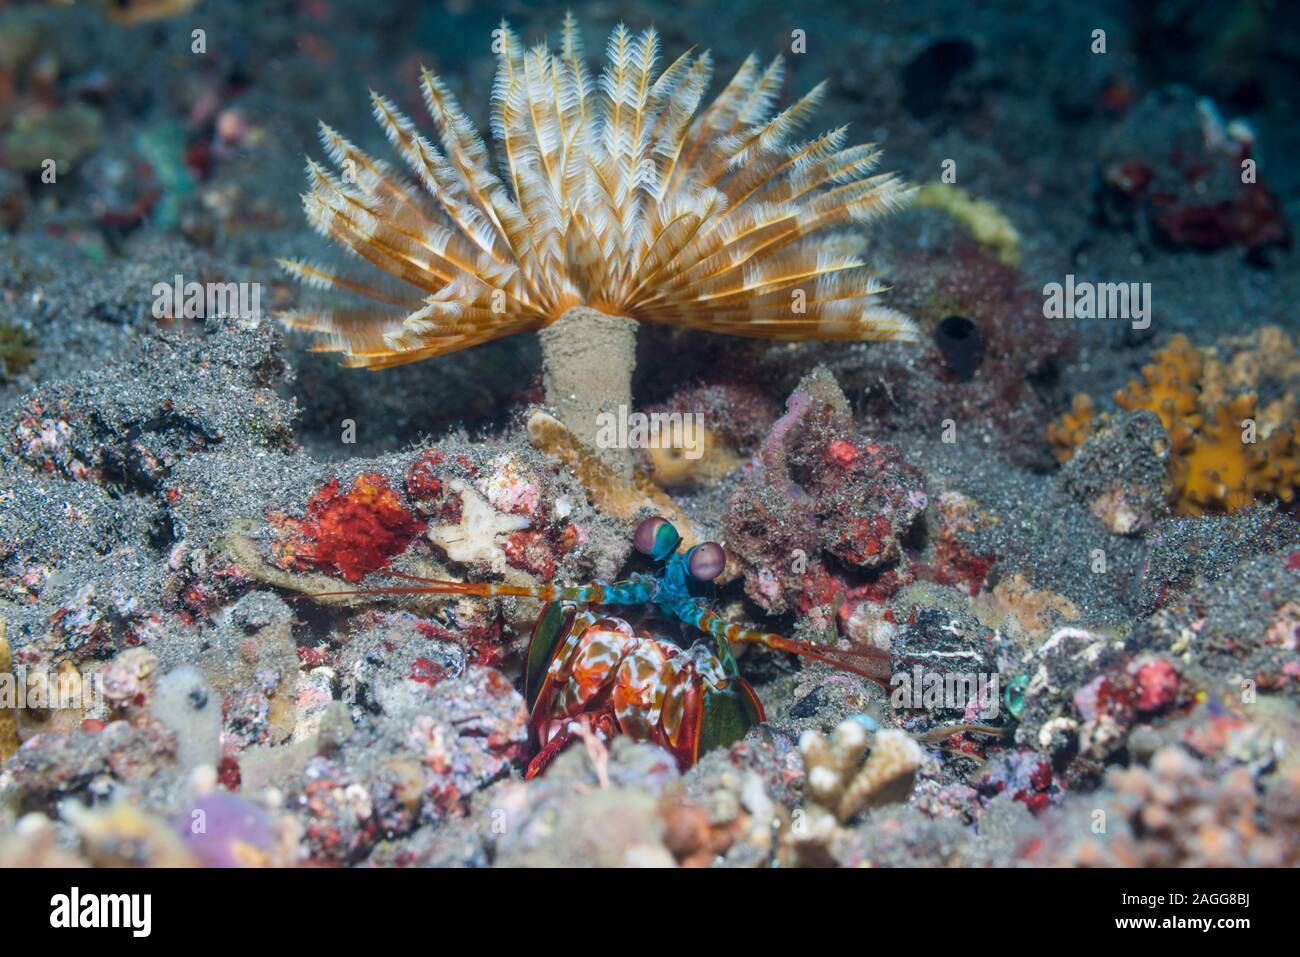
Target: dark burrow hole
{"type": "Point", "coordinates": [928, 76]}
{"type": "Point", "coordinates": [961, 345]}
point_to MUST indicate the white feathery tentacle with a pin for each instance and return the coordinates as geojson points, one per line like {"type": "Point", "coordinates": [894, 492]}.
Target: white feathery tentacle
{"type": "Point", "coordinates": [628, 194]}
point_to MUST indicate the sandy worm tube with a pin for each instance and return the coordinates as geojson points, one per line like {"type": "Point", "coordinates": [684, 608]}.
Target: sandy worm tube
{"type": "Point", "coordinates": [588, 358]}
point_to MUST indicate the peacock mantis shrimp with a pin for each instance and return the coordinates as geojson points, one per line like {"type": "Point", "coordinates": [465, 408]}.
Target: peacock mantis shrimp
{"type": "Point", "coordinates": [587, 670]}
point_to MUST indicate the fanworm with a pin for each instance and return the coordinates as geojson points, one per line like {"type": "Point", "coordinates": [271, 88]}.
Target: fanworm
{"type": "Point", "coordinates": [628, 195]}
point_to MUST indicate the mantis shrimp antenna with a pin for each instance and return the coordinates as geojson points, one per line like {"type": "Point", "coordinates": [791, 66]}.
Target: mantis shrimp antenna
{"type": "Point", "coordinates": [870, 663]}
{"type": "Point", "coordinates": [596, 594]}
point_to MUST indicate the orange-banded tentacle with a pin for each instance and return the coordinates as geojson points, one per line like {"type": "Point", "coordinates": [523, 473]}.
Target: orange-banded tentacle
{"type": "Point", "coordinates": [433, 586]}
{"type": "Point", "coordinates": [870, 663]}
{"type": "Point", "coordinates": [598, 593]}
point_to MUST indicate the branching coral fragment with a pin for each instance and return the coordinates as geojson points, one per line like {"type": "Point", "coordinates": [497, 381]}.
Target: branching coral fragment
{"type": "Point", "coordinates": [841, 786]}
{"type": "Point", "coordinates": [839, 781]}
{"type": "Point", "coordinates": [608, 491]}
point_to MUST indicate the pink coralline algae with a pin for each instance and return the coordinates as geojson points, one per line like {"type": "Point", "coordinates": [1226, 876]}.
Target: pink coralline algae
{"type": "Point", "coordinates": [93, 621]}
{"type": "Point", "coordinates": [437, 483]}
{"type": "Point", "coordinates": [818, 491]}
{"type": "Point", "coordinates": [1157, 685]}
{"type": "Point", "coordinates": [532, 551]}
{"type": "Point", "coordinates": [194, 587]}
{"type": "Point", "coordinates": [1200, 203]}
{"type": "Point", "coordinates": [475, 729]}
{"type": "Point", "coordinates": [1025, 776]}
{"type": "Point", "coordinates": [482, 637]}
{"type": "Point", "coordinates": [426, 481]}
{"type": "Point", "coordinates": [1088, 698]}
{"type": "Point", "coordinates": [444, 744]}
{"type": "Point", "coordinates": [345, 817]}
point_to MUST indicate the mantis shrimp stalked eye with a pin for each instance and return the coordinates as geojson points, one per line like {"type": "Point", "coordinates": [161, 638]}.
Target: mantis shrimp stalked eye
{"type": "Point", "coordinates": [656, 538]}
{"type": "Point", "coordinates": [586, 667]}
{"type": "Point", "coordinates": [705, 562]}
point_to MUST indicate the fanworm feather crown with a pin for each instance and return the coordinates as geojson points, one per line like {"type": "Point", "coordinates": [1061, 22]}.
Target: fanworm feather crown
{"type": "Point", "coordinates": [623, 195]}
